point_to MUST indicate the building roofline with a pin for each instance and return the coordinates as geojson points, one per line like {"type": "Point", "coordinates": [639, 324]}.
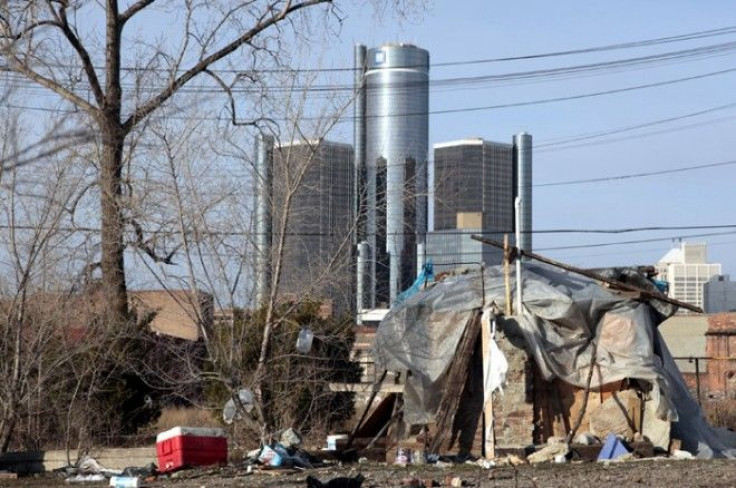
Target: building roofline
{"type": "Point", "coordinates": [471, 141]}
{"type": "Point", "coordinates": [312, 142]}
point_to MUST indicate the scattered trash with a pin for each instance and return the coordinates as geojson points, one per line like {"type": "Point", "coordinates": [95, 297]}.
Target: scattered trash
{"type": "Point", "coordinates": [144, 472]}
{"type": "Point", "coordinates": [613, 448]}
{"type": "Point", "coordinates": [548, 453]}
{"type": "Point", "coordinates": [290, 438]}
{"type": "Point", "coordinates": [680, 454]}
{"type": "Point", "coordinates": [561, 459]}
{"type": "Point", "coordinates": [418, 457]}
{"type": "Point", "coordinates": [231, 412]}
{"type": "Point", "coordinates": [125, 482]}
{"type": "Point", "coordinates": [586, 439]}
{"type": "Point", "coordinates": [343, 482]}
{"type": "Point", "coordinates": [87, 469]}
{"type": "Point", "coordinates": [86, 478]}
{"type": "Point", "coordinates": [486, 463]}
{"type": "Point", "coordinates": [403, 456]}
{"type": "Point", "coordinates": [269, 457]}
{"type": "Point", "coordinates": [332, 441]}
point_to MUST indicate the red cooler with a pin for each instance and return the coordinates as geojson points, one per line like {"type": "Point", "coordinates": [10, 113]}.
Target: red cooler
{"type": "Point", "coordinates": [190, 446]}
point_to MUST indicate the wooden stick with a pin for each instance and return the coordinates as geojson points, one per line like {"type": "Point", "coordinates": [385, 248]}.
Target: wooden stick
{"type": "Point", "coordinates": [489, 441]}
{"type": "Point", "coordinates": [591, 275]}
{"type": "Point", "coordinates": [509, 311]}
{"type": "Point", "coordinates": [376, 388]}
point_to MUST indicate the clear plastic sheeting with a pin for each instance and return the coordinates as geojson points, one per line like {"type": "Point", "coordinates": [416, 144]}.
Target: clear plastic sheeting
{"type": "Point", "coordinates": [565, 319]}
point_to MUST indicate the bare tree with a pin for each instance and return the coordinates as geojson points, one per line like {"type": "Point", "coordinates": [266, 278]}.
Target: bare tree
{"type": "Point", "coordinates": [35, 238]}
{"type": "Point", "coordinates": [54, 45]}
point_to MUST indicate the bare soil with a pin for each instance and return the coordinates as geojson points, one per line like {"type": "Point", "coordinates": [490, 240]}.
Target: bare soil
{"type": "Point", "coordinates": [653, 473]}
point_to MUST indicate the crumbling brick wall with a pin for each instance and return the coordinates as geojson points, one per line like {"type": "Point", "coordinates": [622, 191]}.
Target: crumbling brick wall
{"type": "Point", "coordinates": [720, 380]}
{"type": "Point", "coordinates": [514, 410]}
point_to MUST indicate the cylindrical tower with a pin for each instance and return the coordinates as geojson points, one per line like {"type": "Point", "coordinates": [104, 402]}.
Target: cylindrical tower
{"type": "Point", "coordinates": [359, 138]}
{"type": "Point", "coordinates": [523, 169]}
{"type": "Point", "coordinates": [263, 181]}
{"type": "Point", "coordinates": [397, 133]}
{"type": "Point", "coordinates": [361, 278]}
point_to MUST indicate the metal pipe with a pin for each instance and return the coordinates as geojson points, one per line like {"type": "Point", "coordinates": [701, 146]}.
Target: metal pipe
{"type": "Point", "coordinates": [263, 216]}
{"type": "Point", "coordinates": [360, 292]}
{"type": "Point", "coordinates": [523, 168]}
{"type": "Point", "coordinates": [359, 184]}
{"type": "Point", "coordinates": [517, 215]}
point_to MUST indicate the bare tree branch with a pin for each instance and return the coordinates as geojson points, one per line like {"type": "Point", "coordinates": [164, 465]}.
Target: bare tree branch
{"type": "Point", "coordinates": [148, 107]}
{"type": "Point", "coordinates": [134, 9]}
{"type": "Point", "coordinates": [89, 69]}
{"type": "Point", "coordinates": [18, 65]}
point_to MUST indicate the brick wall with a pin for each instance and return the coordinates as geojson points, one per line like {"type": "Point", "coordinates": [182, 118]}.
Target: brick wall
{"type": "Point", "coordinates": [720, 379]}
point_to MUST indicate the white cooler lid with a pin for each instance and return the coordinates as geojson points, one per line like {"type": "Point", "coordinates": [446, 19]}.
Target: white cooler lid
{"type": "Point", "coordinates": [190, 431]}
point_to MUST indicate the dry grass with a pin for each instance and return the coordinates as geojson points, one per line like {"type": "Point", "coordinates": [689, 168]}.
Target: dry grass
{"type": "Point", "coordinates": [187, 417]}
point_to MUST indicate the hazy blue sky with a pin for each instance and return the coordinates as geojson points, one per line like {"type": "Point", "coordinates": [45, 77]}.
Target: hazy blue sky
{"type": "Point", "coordinates": [475, 30]}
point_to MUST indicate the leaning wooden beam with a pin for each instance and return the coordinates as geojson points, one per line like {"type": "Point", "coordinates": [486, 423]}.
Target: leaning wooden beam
{"type": "Point", "coordinates": [590, 274]}
{"type": "Point", "coordinates": [376, 389]}
{"type": "Point", "coordinates": [455, 382]}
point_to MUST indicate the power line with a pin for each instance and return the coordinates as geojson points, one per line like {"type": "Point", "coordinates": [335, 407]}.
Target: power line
{"type": "Point", "coordinates": [629, 128]}
{"type": "Point", "coordinates": [567, 72]}
{"type": "Point", "coordinates": [347, 118]}
{"type": "Point", "coordinates": [625, 230]}
{"type": "Point", "coordinates": [594, 49]}
{"type": "Point", "coordinates": [637, 175]}
{"type": "Point", "coordinates": [636, 241]}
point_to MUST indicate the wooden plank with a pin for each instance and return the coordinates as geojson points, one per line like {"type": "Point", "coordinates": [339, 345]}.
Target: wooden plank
{"type": "Point", "coordinates": [489, 439]}
{"type": "Point", "coordinates": [584, 272]}
{"type": "Point", "coordinates": [456, 379]}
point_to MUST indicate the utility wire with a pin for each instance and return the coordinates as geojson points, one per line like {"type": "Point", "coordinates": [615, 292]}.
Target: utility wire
{"type": "Point", "coordinates": [728, 30]}
{"type": "Point", "coordinates": [637, 175]}
{"type": "Point", "coordinates": [629, 128]}
{"type": "Point", "coordinates": [348, 118]}
{"type": "Point", "coordinates": [566, 72]}
{"type": "Point", "coordinates": [626, 230]}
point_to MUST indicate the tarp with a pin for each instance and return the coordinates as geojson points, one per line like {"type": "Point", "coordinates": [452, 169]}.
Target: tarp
{"type": "Point", "coordinates": [565, 319]}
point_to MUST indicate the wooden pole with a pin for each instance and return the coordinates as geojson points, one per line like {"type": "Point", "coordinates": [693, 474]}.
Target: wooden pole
{"type": "Point", "coordinates": [509, 311]}
{"type": "Point", "coordinates": [489, 440]}
{"type": "Point", "coordinates": [592, 275]}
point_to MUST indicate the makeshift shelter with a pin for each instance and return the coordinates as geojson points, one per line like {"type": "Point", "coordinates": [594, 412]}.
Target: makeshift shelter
{"type": "Point", "coordinates": [580, 357]}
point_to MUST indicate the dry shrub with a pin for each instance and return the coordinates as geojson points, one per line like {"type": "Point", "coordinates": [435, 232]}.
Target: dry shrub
{"type": "Point", "coordinates": [186, 417]}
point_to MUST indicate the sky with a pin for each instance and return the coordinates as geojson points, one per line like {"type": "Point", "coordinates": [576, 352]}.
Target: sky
{"type": "Point", "coordinates": [702, 133]}
{"type": "Point", "coordinates": [685, 119]}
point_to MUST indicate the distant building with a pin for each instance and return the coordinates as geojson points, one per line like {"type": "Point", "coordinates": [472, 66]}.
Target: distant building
{"type": "Point", "coordinates": [473, 193]}
{"type": "Point", "coordinates": [175, 313]}
{"type": "Point", "coordinates": [318, 178]}
{"type": "Point", "coordinates": [719, 294]}
{"type": "Point", "coordinates": [391, 140]}
{"type": "Point", "coordinates": [686, 270]}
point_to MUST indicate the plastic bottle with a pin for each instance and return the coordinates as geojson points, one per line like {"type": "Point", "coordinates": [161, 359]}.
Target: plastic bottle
{"type": "Point", "coordinates": [304, 341]}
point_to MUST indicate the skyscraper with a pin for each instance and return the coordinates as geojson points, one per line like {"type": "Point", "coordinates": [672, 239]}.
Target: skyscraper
{"type": "Point", "coordinates": [473, 193]}
{"type": "Point", "coordinates": [392, 105]}
{"type": "Point", "coordinates": [316, 178]}
{"type": "Point", "coordinates": [686, 269]}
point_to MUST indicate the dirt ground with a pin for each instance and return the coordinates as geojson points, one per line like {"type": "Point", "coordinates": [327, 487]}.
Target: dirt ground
{"type": "Point", "coordinates": [664, 473]}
